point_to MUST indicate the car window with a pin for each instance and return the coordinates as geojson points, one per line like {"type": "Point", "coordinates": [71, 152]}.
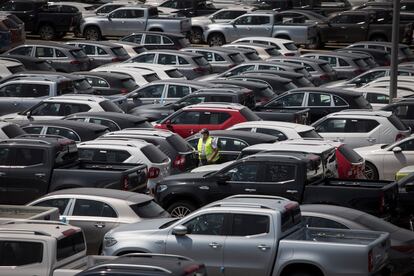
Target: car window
{"type": "Point", "coordinates": [167, 59]}
{"type": "Point", "coordinates": [177, 91]}
{"type": "Point", "coordinates": [404, 111]}
{"type": "Point", "coordinates": [133, 38]}
{"type": "Point", "coordinates": [70, 134]}
{"type": "Point", "coordinates": [378, 98]}
{"type": "Point", "coordinates": [407, 145]}
{"type": "Point", "coordinates": [152, 39]}
{"type": "Point", "coordinates": [223, 99]}
{"type": "Point", "coordinates": [23, 51]}
{"type": "Point", "coordinates": [24, 90]}
{"type": "Point", "coordinates": [241, 69]}
{"type": "Point", "coordinates": [167, 41]}
{"type": "Point", "coordinates": [330, 60]}
{"type": "Point", "coordinates": [92, 208]}
{"type": "Point", "coordinates": [280, 135]}
{"type": "Point", "coordinates": [332, 125]}
{"type": "Point", "coordinates": [103, 155]}
{"type": "Point", "coordinates": [29, 157]}
{"type": "Point", "coordinates": [148, 209]}
{"type": "Point", "coordinates": [111, 125]}
{"type": "Point", "coordinates": [360, 126]}
{"type": "Point", "coordinates": [208, 224]}
{"type": "Point", "coordinates": [226, 14]}
{"type": "Point", "coordinates": [291, 100]}
{"type": "Point", "coordinates": [97, 82]}
{"type": "Point", "coordinates": [249, 225]}
{"type": "Point", "coordinates": [279, 173]}
{"type": "Point", "coordinates": [322, 223]}
{"type": "Point", "coordinates": [338, 101]}
{"type": "Point", "coordinates": [182, 61]}
{"type": "Point", "coordinates": [343, 62]}
{"type": "Point", "coordinates": [245, 172]}
{"type": "Point", "coordinates": [15, 253]}
{"type": "Point", "coordinates": [270, 67]}
{"type": "Point", "coordinates": [152, 91]}
{"type": "Point", "coordinates": [253, 20]}
{"type": "Point", "coordinates": [318, 99]}
{"type": "Point", "coordinates": [214, 118]}
{"type": "Point", "coordinates": [69, 108]}
{"type": "Point", "coordinates": [6, 157]}
{"type": "Point", "coordinates": [146, 58]}
{"type": "Point", "coordinates": [59, 203]}
{"type": "Point", "coordinates": [44, 52]}
{"type": "Point", "coordinates": [229, 144]}
{"type": "Point", "coordinates": [33, 129]}
{"type": "Point", "coordinates": [187, 118]}
{"type": "Point", "coordinates": [193, 100]}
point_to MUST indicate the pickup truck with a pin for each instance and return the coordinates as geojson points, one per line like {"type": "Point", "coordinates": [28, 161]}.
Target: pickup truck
{"type": "Point", "coordinates": [260, 23]}
{"type": "Point", "coordinates": [295, 176]}
{"type": "Point", "coordinates": [13, 213]}
{"type": "Point", "coordinates": [32, 166]}
{"type": "Point", "coordinates": [130, 19]}
{"type": "Point", "coordinates": [267, 238]}
{"type": "Point", "coordinates": [39, 18]}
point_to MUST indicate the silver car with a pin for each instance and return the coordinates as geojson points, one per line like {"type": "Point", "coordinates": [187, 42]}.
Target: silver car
{"type": "Point", "coordinates": [97, 211]}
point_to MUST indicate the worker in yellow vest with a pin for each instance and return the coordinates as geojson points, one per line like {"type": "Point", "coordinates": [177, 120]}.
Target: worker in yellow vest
{"type": "Point", "coordinates": [208, 152]}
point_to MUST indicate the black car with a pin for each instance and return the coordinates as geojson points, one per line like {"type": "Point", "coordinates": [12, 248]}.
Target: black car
{"type": "Point", "coordinates": [30, 63]}
{"type": "Point", "coordinates": [381, 57]}
{"type": "Point", "coordinates": [232, 142]}
{"type": "Point", "coordinates": [76, 131]}
{"type": "Point", "coordinates": [190, 8]}
{"type": "Point", "coordinates": [319, 101]}
{"type": "Point", "coordinates": [113, 120]}
{"type": "Point", "coordinates": [278, 84]}
{"type": "Point", "coordinates": [107, 84]}
{"type": "Point", "coordinates": [158, 40]}
{"type": "Point", "coordinates": [403, 109]}
{"type": "Point", "coordinates": [145, 265]}
{"type": "Point", "coordinates": [297, 79]}
{"type": "Point", "coordinates": [156, 112]}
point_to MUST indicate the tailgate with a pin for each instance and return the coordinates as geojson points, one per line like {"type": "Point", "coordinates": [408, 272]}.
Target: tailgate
{"type": "Point", "coordinates": [135, 179]}
{"type": "Point", "coordinates": [378, 253]}
{"type": "Point", "coordinates": [185, 25]}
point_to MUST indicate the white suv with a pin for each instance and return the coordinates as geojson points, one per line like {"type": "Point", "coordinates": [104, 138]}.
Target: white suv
{"type": "Point", "coordinates": [62, 106]}
{"type": "Point", "coordinates": [124, 150]}
{"type": "Point", "coordinates": [360, 128]}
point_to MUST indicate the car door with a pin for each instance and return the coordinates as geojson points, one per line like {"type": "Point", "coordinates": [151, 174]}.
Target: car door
{"type": "Point", "coordinates": [253, 25]}
{"type": "Point", "coordinates": [185, 123]}
{"type": "Point", "coordinates": [320, 105]}
{"type": "Point", "coordinates": [204, 241]}
{"type": "Point", "coordinates": [118, 23]}
{"type": "Point", "coordinates": [150, 94]}
{"type": "Point", "coordinates": [32, 93]}
{"type": "Point", "coordinates": [241, 178]}
{"type": "Point", "coordinates": [250, 247]}
{"type": "Point", "coordinates": [22, 51]}
{"type": "Point", "coordinates": [230, 148]}
{"type": "Point", "coordinates": [395, 160]}
{"type": "Point", "coordinates": [95, 218]}
{"type": "Point", "coordinates": [291, 100]}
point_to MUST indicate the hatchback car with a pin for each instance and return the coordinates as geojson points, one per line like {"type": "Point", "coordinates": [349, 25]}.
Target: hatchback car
{"type": "Point", "coordinates": [158, 40]}
{"type": "Point", "coordinates": [278, 84]}
{"type": "Point", "coordinates": [381, 57]}
{"type": "Point", "coordinates": [62, 57]}
{"type": "Point", "coordinates": [164, 72]}
{"type": "Point", "coordinates": [404, 110]}
{"type": "Point", "coordinates": [140, 76]}
{"type": "Point", "coordinates": [284, 46]}
{"type": "Point", "coordinates": [263, 51]}
{"type": "Point", "coordinates": [404, 52]}
{"type": "Point", "coordinates": [215, 116]}
{"type": "Point", "coordinates": [133, 49]}
{"type": "Point", "coordinates": [98, 211]}
{"type": "Point", "coordinates": [30, 63]}
{"type": "Point", "coordinates": [296, 78]}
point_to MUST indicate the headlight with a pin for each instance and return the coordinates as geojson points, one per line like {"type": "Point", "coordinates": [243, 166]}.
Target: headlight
{"type": "Point", "coordinates": [161, 188]}
{"type": "Point", "coordinates": [109, 241]}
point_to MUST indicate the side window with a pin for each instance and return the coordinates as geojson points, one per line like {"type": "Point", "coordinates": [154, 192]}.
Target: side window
{"type": "Point", "coordinates": [207, 55]}
{"type": "Point", "coordinates": [6, 157]}
{"type": "Point", "coordinates": [29, 157]}
{"type": "Point", "coordinates": [279, 173]}
{"type": "Point", "coordinates": [102, 155]}
{"type": "Point", "coordinates": [246, 172]}
{"type": "Point", "coordinates": [404, 111]}
{"type": "Point", "coordinates": [59, 203]}
{"type": "Point", "coordinates": [332, 125]}
{"type": "Point", "coordinates": [241, 69]}
{"type": "Point", "coordinates": [223, 99]}
{"type": "Point", "coordinates": [44, 52]}
{"type": "Point", "coordinates": [177, 91]}
{"type": "Point", "coordinates": [152, 91]}
{"type": "Point", "coordinates": [23, 51]}
{"type": "Point", "coordinates": [15, 253]}
{"type": "Point", "coordinates": [250, 225]}
{"type": "Point", "coordinates": [342, 62]}
{"type": "Point", "coordinates": [147, 58]}
{"type": "Point", "coordinates": [218, 57]}
{"type": "Point", "coordinates": [59, 54]}
{"type": "Point", "coordinates": [340, 19]}
{"type": "Point", "coordinates": [208, 224]}
{"type": "Point", "coordinates": [214, 118]}
{"type": "Point", "coordinates": [228, 144]}
{"type": "Point", "coordinates": [68, 109]}
{"type": "Point", "coordinates": [270, 67]}
{"type": "Point", "coordinates": [322, 223]}
{"type": "Point", "coordinates": [101, 52]}
{"type": "Point", "coordinates": [173, 4]}
{"type": "Point", "coordinates": [338, 101]}
{"type": "Point", "coordinates": [112, 126]}
{"type": "Point", "coordinates": [245, 20]}
{"type": "Point", "coordinates": [152, 39]}
{"type": "Point", "coordinates": [318, 99]}
{"type": "Point", "coordinates": [330, 60]}
{"type": "Point", "coordinates": [408, 145]}
{"type": "Point", "coordinates": [182, 61]}
{"type": "Point", "coordinates": [360, 126]}
{"type": "Point", "coordinates": [280, 135]}
{"type": "Point", "coordinates": [90, 50]}
{"type": "Point", "coordinates": [92, 208]}
{"type": "Point", "coordinates": [34, 90]}
{"type": "Point", "coordinates": [294, 99]}
{"type": "Point", "coordinates": [63, 132]}
{"type": "Point", "coordinates": [119, 14]}
{"type": "Point", "coordinates": [193, 100]}
{"type": "Point", "coordinates": [167, 59]}
{"type": "Point", "coordinates": [134, 38]}
{"type": "Point", "coordinates": [378, 98]}
{"type": "Point", "coordinates": [47, 109]}
{"type": "Point", "coordinates": [187, 118]}
{"type": "Point", "coordinates": [167, 41]}
{"type": "Point", "coordinates": [11, 90]}
{"type": "Point", "coordinates": [33, 129]}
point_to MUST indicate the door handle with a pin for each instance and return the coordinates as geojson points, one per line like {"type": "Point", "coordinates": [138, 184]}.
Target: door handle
{"type": "Point", "coordinates": [214, 245]}
{"type": "Point", "coordinates": [292, 191]}
{"type": "Point", "coordinates": [99, 225]}
{"type": "Point", "coordinates": [40, 175]}
{"type": "Point", "coordinates": [263, 247]}
{"type": "Point", "coordinates": [250, 190]}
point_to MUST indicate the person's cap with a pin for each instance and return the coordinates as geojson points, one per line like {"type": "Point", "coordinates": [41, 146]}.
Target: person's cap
{"type": "Point", "coordinates": [204, 131]}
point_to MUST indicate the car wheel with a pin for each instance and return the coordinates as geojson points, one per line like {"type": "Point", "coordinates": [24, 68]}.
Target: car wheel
{"type": "Point", "coordinates": [181, 209]}
{"type": "Point", "coordinates": [300, 273]}
{"type": "Point", "coordinates": [196, 36]}
{"type": "Point", "coordinates": [47, 32]}
{"type": "Point", "coordinates": [370, 171]}
{"type": "Point", "coordinates": [92, 33]}
{"type": "Point", "coordinates": [216, 40]}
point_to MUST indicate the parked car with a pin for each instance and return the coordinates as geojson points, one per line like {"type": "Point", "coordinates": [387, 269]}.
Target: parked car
{"type": "Point", "coordinates": [404, 52]}
{"type": "Point", "coordinates": [62, 57]}
{"type": "Point", "coordinates": [10, 130]}
{"type": "Point", "coordinates": [158, 40]}
{"type": "Point", "coordinates": [180, 152]}
{"type": "Point", "coordinates": [102, 52]}
{"type": "Point", "coordinates": [263, 51]}
{"type": "Point", "coordinates": [133, 49]}
{"type": "Point", "coordinates": [404, 110]}
{"type": "Point", "coordinates": [361, 128]}
{"type": "Point", "coordinates": [381, 57]}
{"type": "Point", "coordinates": [109, 83]}
{"type": "Point", "coordinates": [232, 142]}
{"type": "Point", "coordinates": [144, 18]}
{"type": "Point", "coordinates": [189, 8]}
{"type": "Point", "coordinates": [162, 71]}
{"type": "Point", "coordinates": [10, 67]}
{"type": "Point", "coordinates": [254, 221]}
{"type": "Point", "coordinates": [266, 76]}
{"type": "Point", "coordinates": [284, 46]}
{"type": "Point", "coordinates": [249, 54]}
{"type": "Point", "coordinates": [192, 65]}
{"type": "Point", "coordinates": [140, 76]}
{"type": "Point", "coordinates": [16, 29]}
{"type": "Point", "coordinates": [30, 63]}
{"type": "Point", "coordinates": [215, 116]}
{"type": "Point", "coordinates": [76, 131]}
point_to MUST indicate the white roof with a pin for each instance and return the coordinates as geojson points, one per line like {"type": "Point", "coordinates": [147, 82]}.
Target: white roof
{"type": "Point", "coordinates": [318, 149]}
{"type": "Point", "coordinates": [77, 97]}
{"type": "Point", "coordinates": [118, 143]}
{"type": "Point", "coordinates": [267, 39]}
{"type": "Point", "coordinates": [296, 127]}
{"type": "Point", "coordinates": [115, 67]}
{"type": "Point", "coordinates": [311, 142]}
{"type": "Point", "coordinates": [363, 112]}
{"type": "Point", "coordinates": [144, 66]}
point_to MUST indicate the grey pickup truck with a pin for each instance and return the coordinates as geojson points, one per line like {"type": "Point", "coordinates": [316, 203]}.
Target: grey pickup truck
{"type": "Point", "coordinates": [260, 23]}
{"type": "Point", "coordinates": [33, 166]}
{"type": "Point", "coordinates": [130, 19]}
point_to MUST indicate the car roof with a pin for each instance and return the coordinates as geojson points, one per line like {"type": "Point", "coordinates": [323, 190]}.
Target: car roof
{"type": "Point", "coordinates": [76, 97]}
{"type": "Point", "coordinates": [159, 33]}
{"type": "Point", "coordinates": [75, 125]}
{"type": "Point", "coordinates": [104, 75]}
{"type": "Point", "coordinates": [304, 59]}
{"type": "Point", "coordinates": [253, 45]}
{"type": "Point", "coordinates": [380, 43]}
{"type": "Point", "coordinates": [247, 136]}
{"type": "Point", "coordinates": [335, 91]}
{"type": "Point", "coordinates": [118, 143]}
{"type": "Point", "coordinates": [9, 62]}
{"type": "Point", "coordinates": [290, 147]}
{"type": "Point", "coordinates": [270, 77]}
{"type": "Point", "coordinates": [212, 49]}
{"type": "Point", "coordinates": [21, 57]}
{"type": "Point", "coordinates": [362, 112]}
{"type": "Point", "coordinates": [46, 74]}
{"type": "Point", "coordinates": [281, 74]}
{"type": "Point", "coordinates": [93, 42]}
{"type": "Point", "coordinates": [114, 116]}
{"type": "Point", "coordinates": [297, 127]}
{"type": "Point", "coordinates": [53, 229]}
{"type": "Point", "coordinates": [174, 52]}
{"type": "Point", "coordinates": [225, 106]}
{"type": "Point", "coordinates": [241, 83]}
{"type": "Point", "coordinates": [267, 39]}
{"type": "Point", "coordinates": [143, 132]}
{"type": "Point", "coordinates": [47, 43]}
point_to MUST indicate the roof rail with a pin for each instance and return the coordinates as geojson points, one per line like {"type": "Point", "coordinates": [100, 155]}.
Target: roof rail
{"type": "Point", "coordinates": [266, 153]}
{"type": "Point", "coordinates": [31, 221]}
{"type": "Point", "coordinates": [157, 255]}
{"type": "Point", "coordinates": [238, 204]}
{"type": "Point", "coordinates": [146, 267]}
{"type": "Point", "coordinates": [258, 196]}
{"type": "Point", "coordinates": [24, 231]}
{"type": "Point", "coordinates": [24, 140]}
{"type": "Point", "coordinates": [41, 135]}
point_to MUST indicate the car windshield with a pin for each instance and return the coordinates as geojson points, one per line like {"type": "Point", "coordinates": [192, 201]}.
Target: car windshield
{"type": "Point", "coordinates": [82, 84]}
{"type": "Point", "coordinates": [110, 106]}
{"type": "Point", "coordinates": [174, 73]}
{"type": "Point", "coordinates": [272, 52]}
{"type": "Point", "coordinates": [237, 58]}
{"type": "Point", "coordinates": [154, 155]}
{"type": "Point", "coordinates": [326, 67]}
{"type": "Point", "coordinates": [361, 63]}
{"type": "Point", "coordinates": [252, 56]}
{"type": "Point", "coordinates": [16, 69]}
{"type": "Point", "coordinates": [351, 155]}
{"type": "Point", "coordinates": [310, 134]}
{"type": "Point", "coordinates": [179, 143]}
{"type": "Point", "coordinates": [201, 61]}
{"type": "Point", "coordinates": [12, 131]}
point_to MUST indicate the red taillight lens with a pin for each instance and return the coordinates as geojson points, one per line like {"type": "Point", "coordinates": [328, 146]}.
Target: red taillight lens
{"type": "Point", "coordinates": [200, 70]}
{"type": "Point", "coordinates": [153, 172]}
{"type": "Point", "coordinates": [179, 162]}
{"type": "Point", "coordinates": [192, 269]}
{"type": "Point", "coordinates": [75, 62]}
{"type": "Point", "coordinates": [324, 77]}
{"type": "Point", "coordinates": [289, 54]}
{"type": "Point", "coordinates": [370, 261]}
{"type": "Point", "coordinates": [123, 91]}
{"type": "Point", "coordinates": [116, 60]}
{"type": "Point", "coordinates": [399, 137]}
{"type": "Point", "coordinates": [125, 183]}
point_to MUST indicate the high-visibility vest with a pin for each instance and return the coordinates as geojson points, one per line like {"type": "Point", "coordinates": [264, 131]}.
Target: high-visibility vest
{"type": "Point", "coordinates": [208, 149]}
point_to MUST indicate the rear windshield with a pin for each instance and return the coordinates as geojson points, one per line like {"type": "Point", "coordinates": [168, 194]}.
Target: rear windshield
{"type": "Point", "coordinates": [119, 51]}
{"type": "Point", "coordinates": [267, 92]}
{"type": "Point", "coordinates": [202, 61]}
{"type": "Point", "coordinates": [65, 87]}
{"type": "Point", "coordinates": [273, 52]}
{"type": "Point", "coordinates": [129, 83]}
{"type": "Point", "coordinates": [148, 209]}
{"type": "Point", "coordinates": [110, 106]}
{"type": "Point", "coordinates": [174, 73]}
{"type": "Point", "coordinates": [154, 154]}
{"type": "Point", "coordinates": [360, 62]}
{"type": "Point", "coordinates": [249, 115]}
{"type": "Point", "coordinates": [82, 84]}
{"type": "Point", "coordinates": [179, 143]}
{"type": "Point", "coordinates": [12, 131]}
{"type": "Point", "coordinates": [16, 69]}
{"type": "Point", "coordinates": [406, 51]}
{"type": "Point", "coordinates": [326, 67]}
{"type": "Point", "coordinates": [309, 134]}
{"type": "Point", "coordinates": [350, 155]}
{"type": "Point", "coordinates": [290, 218]}
{"type": "Point", "coordinates": [397, 122]}
{"type": "Point", "coordinates": [78, 53]}
{"type": "Point", "coordinates": [43, 66]}
{"type": "Point", "coordinates": [139, 49]}
{"type": "Point", "coordinates": [290, 85]}
{"type": "Point", "coordinates": [290, 46]}
{"type": "Point", "coordinates": [151, 77]}
{"type": "Point", "coordinates": [236, 58]}
{"type": "Point", "coordinates": [69, 246]}
{"type": "Point", "coordinates": [252, 56]}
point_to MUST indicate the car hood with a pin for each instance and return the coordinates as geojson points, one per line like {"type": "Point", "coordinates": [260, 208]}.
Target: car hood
{"type": "Point", "coordinates": [211, 168]}
{"type": "Point", "coordinates": [370, 149]}
{"type": "Point", "coordinates": [150, 225]}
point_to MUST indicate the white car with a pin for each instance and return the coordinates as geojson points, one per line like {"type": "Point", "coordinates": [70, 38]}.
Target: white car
{"type": "Point", "coordinates": [56, 108]}
{"type": "Point", "coordinates": [9, 130]}
{"type": "Point", "coordinates": [140, 76]}
{"type": "Point", "coordinates": [284, 46]}
{"type": "Point", "coordinates": [164, 72]}
{"type": "Point", "coordinates": [124, 150]}
{"type": "Point", "coordinates": [359, 128]}
{"type": "Point", "coordinates": [379, 97]}
{"type": "Point", "coordinates": [282, 130]}
{"type": "Point", "coordinates": [9, 67]}
{"type": "Point", "coordinates": [262, 50]}
{"type": "Point", "coordinates": [405, 83]}
{"type": "Point", "coordinates": [133, 49]}
{"type": "Point", "coordinates": [382, 161]}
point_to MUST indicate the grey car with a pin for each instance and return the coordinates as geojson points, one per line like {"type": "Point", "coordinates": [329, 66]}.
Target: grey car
{"type": "Point", "coordinates": [97, 211]}
{"type": "Point", "coordinates": [191, 65]}
{"type": "Point", "coordinates": [62, 57]}
{"type": "Point", "coordinates": [101, 52]}
{"type": "Point", "coordinates": [262, 50]}
{"type": "Point", "coordinates": [221, 59]}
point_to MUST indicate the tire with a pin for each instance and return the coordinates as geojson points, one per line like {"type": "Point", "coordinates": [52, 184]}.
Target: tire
{"type": "Point", "coordinates": [181, 209]}
{"type": "Point", "coordinates": [300, 273]}
{"type": "Point", "coordinates": [92, 33]}
{"type": "Point", "coordinates": [370, 171]}
{"type": "Point", "coordinates": [216, 40]}
{"type": "Point", "coordinates": [380, 38]}
{"type": "Point", "coordinates": [47, 32]}
{"type": "Point", "coordinates": [196, 36]}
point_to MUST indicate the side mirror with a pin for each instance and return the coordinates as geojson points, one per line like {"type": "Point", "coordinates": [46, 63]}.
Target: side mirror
{"type": "Point", "coordinates": [222, 179]}
{"type": "Point", "coordinates": [180, 230]}
{"type": "Point", "coordinates": [397, 150]}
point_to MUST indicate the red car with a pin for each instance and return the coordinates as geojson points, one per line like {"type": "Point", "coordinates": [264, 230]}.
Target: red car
{"type": "Point", "coordinates": [213, 116]}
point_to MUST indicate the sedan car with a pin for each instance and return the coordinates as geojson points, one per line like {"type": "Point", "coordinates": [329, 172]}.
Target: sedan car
{"type": "Point", "coordinates": [158, 40]}
{"type": "Point", "coordinates": [98, 211]}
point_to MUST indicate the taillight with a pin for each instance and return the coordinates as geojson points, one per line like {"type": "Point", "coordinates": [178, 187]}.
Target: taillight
{"type": "Point", "coordinates": [370, 261]}
{"type": "Point", "coordinates": [116, 60]}
{"type": "Point", "coordinates": [399, 137]}
{"type": "Point", "coordinates": [153, 172]}
{"type": "Point", "coordinates": [192, 269]}
{"type": "Point", "coordinates": [125, 183]}
{"type": "Point", "coordinates": [123, 91]}
{"type": "Point", "coordinates": [200, 70]}
{"type": "Point", "coordinates": [179, 162]}
{"type": "Point", "coordinates": [358, 71]}
{"type": "Point", "coordinates": [289, 54]}
{"type": "Point", "coordinates": [324, 77]}
{"type": "Point", "coordinates": [74, 62]}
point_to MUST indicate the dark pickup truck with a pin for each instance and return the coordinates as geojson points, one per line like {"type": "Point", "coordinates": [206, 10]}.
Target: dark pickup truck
{"type": "Point", "coordinates": [296, 176]}
{"type": "Point", "coordinates": [48, 21]}
{"type": "Point", "coordinates": [33, 166]}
